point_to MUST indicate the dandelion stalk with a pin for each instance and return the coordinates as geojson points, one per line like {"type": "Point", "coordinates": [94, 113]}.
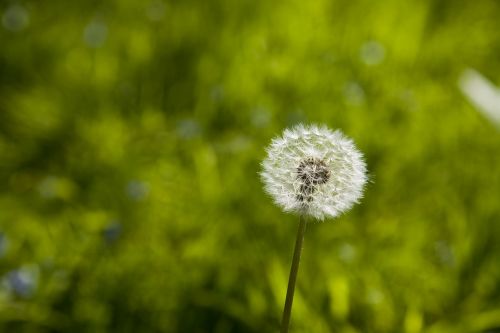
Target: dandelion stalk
{"type": "Point", "coordinates": [285, 322]}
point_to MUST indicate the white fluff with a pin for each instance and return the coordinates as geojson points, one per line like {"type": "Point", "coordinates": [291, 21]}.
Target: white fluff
{"type": "Point", "coordinates": [332, 190]}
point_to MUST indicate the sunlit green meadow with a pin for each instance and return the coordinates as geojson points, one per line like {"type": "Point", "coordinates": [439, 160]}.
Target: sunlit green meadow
{"type": "Point", "coordinates": [131, 135]}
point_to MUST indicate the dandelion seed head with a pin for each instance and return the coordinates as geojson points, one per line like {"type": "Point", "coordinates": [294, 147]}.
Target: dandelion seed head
{"type": "Point", "coordinates": [315, 171]}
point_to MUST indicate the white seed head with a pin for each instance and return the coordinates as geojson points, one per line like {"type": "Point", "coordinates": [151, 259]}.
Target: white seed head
{"type": "Point", "coordinates": [315, 171]}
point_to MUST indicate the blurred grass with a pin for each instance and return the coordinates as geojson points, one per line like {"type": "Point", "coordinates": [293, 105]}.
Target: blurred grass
{"type": "Point", "coordinates": [130, 140]}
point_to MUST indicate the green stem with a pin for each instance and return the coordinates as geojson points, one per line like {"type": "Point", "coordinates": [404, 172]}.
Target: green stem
{"type": "Point", "coordinates": [285, 322]}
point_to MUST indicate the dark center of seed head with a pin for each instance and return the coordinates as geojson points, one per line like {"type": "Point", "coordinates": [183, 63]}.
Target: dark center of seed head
{"type": "Point", "coordinates": [311, 172]}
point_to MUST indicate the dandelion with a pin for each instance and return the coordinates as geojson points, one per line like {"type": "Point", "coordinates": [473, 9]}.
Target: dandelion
{"type": "Point", "coordinates": [316, 172]}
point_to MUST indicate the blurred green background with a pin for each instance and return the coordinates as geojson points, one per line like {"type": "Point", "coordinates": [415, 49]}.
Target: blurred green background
{"type": "Point", "coordinates": [130, 140]}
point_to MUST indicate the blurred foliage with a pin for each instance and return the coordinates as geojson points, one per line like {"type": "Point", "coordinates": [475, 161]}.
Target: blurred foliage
{"type": "Point", "coordinates": [130, 140]}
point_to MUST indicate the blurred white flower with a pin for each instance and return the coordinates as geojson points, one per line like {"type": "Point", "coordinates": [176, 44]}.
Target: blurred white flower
{"type": "Point", "coordinates": [95, 34]}
{"type": "Point", "coordinates": [15, 18]}
{"type": "Point", "coordinates": [315, 171]}
{"type": "Point", "coordinates": [372, 53]}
